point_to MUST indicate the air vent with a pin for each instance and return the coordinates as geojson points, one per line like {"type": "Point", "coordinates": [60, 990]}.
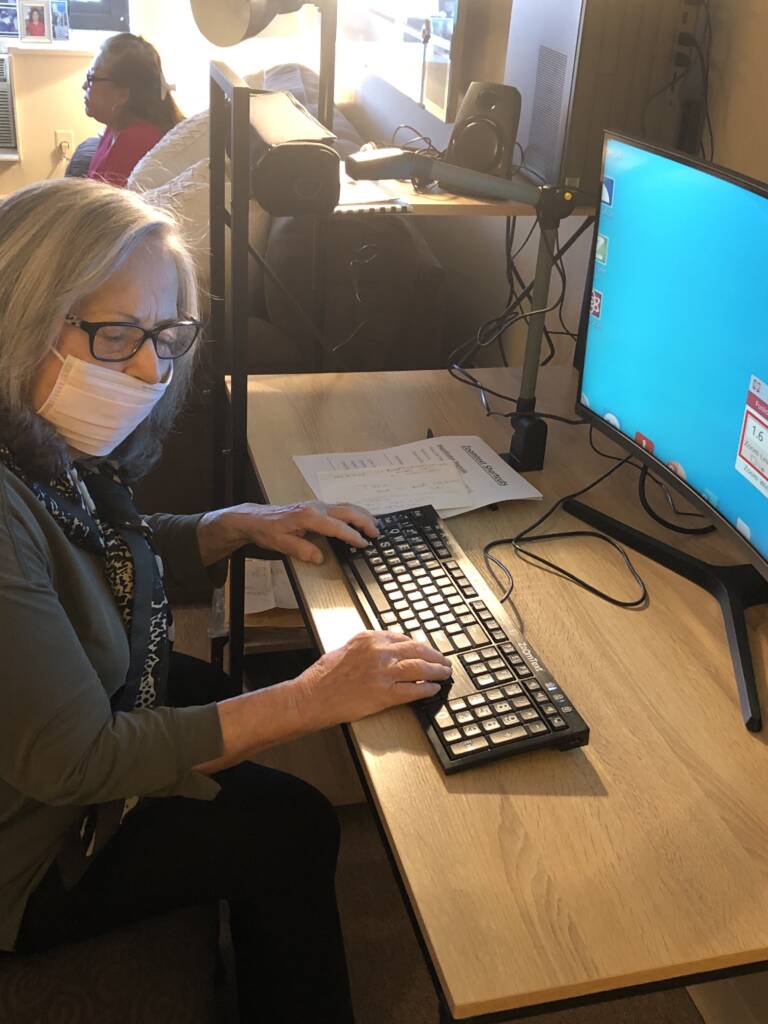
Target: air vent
{"type": "Point", "coordinates": [542, 154]}
{"type": "Point", "coordinates": [7, 112]}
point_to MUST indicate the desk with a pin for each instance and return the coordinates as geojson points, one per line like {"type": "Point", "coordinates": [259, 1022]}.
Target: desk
{"type": "Point", "coordinates": [636, 860]}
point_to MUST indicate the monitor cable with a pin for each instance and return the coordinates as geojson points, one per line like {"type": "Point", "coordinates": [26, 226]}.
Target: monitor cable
{"type": "Point", "coordinates": [492, 329]}
{"type": "Point", "coordinates": [645, 476]}
{"type": "Point", "coordinates": [525, 537]}
{"type": "Point", "coordinates": [463, 375]}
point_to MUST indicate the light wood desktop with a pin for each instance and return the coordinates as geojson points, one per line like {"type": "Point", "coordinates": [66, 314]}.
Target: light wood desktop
{"type": "Point", "coordinates": [635, 860]}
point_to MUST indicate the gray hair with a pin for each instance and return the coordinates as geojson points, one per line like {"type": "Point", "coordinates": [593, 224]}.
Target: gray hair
{"type": "Point", "coordinates": [60, 240]}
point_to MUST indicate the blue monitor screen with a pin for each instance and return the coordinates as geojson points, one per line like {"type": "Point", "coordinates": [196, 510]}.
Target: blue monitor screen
{"type": "Point", "coordinates": [676, 353]}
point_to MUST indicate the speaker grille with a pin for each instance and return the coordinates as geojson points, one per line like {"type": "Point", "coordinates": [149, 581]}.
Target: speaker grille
{"type": "Point", "coordinates": [542, 155]}
{"type": "Point", "coordinates": [7, 114]}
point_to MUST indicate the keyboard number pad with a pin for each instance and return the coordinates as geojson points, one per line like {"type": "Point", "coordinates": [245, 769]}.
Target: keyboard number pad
{"type": "Point", "coordinates": [489, 717]}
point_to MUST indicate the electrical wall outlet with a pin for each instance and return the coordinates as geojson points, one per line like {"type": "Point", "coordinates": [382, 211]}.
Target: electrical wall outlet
{"type": "Point", "coordinates": [65, 143]}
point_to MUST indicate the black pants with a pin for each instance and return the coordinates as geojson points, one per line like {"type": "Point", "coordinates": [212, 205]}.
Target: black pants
{"type": "Point", "coordinates": [268, 844]}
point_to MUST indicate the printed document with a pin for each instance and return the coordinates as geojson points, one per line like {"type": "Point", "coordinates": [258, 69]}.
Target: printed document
{"type": "Point", "coordinates": [454, 474]}
{"type": "Point", "coordinates": [267, 586]}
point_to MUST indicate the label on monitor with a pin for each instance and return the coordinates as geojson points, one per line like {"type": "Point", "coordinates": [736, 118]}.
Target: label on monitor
{"type": "Point", "coordinates": [752, 456]}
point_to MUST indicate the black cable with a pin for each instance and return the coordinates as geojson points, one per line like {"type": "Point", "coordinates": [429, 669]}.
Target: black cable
{"type": "Point", "coordinates": [461, 374]}
{"type": "Point", "coordinates": [566, 330]}
{"type": "Point", "coordinates": [510, 230]}
{"type": "Point", "coordinates": [643, 498]}
{"type": "Point", "coordinates": [513, 276]}
{"type": "Point", "coordinates": [428, 149]}
{"type": "Point", "coordinates": [669, 86]}
{"type": "Point", "coordinates": [527, 240]}
{"type": "Point", "coordinates": [604, 455]}
{"type": "Point", "coordinates": [563, 286]}
{"type": "Point", "coordinates": [524, 537]}
{"type": "Point", "coordinates": [693, 530]}
{"type": "Point", "coordinates": [704, 61]}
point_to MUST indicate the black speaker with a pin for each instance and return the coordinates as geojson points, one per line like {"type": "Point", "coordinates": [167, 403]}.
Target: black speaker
{"type": "Point", "coordinates": [294, 171]}
{"type": "Point", "coordinates": [483, 138]}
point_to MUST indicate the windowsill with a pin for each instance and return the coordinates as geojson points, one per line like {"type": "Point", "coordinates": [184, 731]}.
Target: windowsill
{"type": "Point", "coordinates": [9, 156]}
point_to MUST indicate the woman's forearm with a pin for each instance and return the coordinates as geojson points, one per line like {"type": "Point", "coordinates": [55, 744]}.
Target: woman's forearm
{"type": "Point", "coordinates": [218, 535]}
{"type": "Point", "coordinates": [255, 721]}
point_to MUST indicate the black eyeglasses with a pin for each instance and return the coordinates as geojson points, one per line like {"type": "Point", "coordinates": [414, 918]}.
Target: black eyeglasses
{"type": "Point", "coordinates": [117, 342]}
{"type": "Point", "coordinates": [90, 78]}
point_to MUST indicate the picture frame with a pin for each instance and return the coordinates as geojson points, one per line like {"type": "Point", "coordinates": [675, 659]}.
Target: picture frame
{"type": "Point", "coordinates": [60, 20]}
{"type": "Point", "coordinates": [35, 21]}
{"type": "Point", "coordinates": [9, 20]}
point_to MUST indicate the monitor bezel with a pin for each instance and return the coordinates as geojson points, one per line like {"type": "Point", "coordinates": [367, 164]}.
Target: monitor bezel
{"type": "Point", "coordinates": [660, 471]}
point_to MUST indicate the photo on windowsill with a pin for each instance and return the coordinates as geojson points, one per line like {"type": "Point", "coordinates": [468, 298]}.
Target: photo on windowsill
{"type": "Point", "coordinates": [35, 20]}
{"type": "Point", "coordinates": [60, 20]}
{"type": "Point", "coordinates": [9, 20]}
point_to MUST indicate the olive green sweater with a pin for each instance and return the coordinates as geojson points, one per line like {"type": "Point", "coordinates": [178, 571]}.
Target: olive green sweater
{"type": "Point", "coordinates": [63, 653]}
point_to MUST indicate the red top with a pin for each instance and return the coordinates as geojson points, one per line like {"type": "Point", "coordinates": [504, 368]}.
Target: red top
{"type": "Point", "coordinates": [117, 155]}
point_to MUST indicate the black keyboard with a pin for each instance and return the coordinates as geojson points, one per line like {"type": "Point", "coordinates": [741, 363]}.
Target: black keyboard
{"type": "Point", "coordinates": [501, 700]}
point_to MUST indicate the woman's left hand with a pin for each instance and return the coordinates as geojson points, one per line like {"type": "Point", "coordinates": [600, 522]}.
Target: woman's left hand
{"type": "Point", "coordinates": [283, 528]}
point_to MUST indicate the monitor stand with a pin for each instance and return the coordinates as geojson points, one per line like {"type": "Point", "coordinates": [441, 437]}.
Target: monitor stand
{"type": "Point", "coordinates": [736, 587]}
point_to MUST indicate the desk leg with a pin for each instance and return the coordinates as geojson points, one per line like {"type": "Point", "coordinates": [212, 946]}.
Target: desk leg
{"type": "Point", "coordinates": [444, 1014]}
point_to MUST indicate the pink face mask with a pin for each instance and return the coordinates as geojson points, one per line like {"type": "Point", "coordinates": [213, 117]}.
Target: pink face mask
{"type": "Point", "coordinates": [95, 408]}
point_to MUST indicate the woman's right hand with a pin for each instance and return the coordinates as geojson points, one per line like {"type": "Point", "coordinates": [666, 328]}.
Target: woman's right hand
{"type": "Point", "coordinates": [372, 671]}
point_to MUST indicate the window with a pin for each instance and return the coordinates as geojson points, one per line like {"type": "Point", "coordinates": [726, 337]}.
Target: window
{"type": "Point", "coordinates": [105, 15]}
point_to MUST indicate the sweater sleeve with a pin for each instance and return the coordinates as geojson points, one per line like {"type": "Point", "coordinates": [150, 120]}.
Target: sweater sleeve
{"type": "Point", "coordinates": [129, 146]}
{"type": "Point", "coordinates": [60, 742]}
{"type": "Point", "coordinates": [175, 538]}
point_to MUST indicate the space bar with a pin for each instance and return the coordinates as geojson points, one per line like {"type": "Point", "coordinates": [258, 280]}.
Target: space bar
{"type": "Point", "coordinates": [370, 585]}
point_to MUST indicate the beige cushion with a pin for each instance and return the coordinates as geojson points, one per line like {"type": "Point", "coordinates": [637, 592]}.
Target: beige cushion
{"type": "Point", "coordinates": [180, 148]}
{"type": "Point", "coordinates": [186, 197]}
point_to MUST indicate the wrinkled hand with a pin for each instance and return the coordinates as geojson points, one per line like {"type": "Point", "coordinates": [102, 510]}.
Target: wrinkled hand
{"type": "Point", "coordinates": [283, 528]}
{"type": "Point", "coordinates": [372, 671]}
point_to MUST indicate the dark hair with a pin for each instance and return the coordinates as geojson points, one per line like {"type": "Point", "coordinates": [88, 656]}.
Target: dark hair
{"type": "Point", "coordinates": [135, 65]}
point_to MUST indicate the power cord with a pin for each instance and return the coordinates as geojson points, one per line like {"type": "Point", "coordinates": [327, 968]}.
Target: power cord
{"type": "Point", "coordinates": [645, 476]}
{"type": "Point", "coordinates": [524, 538]}
{"type": "Point", "coordinates": [462, 375]}
{"type": "Point", "coordinates": [492, 329]}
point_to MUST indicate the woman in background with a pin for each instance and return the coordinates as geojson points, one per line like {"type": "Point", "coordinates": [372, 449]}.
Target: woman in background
{"type": "Point", "coordinates": [126, 90]}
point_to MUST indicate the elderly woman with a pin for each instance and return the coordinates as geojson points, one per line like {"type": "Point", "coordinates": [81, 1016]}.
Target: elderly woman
{"type": "Point", "coordinates": [126, 90]}
{"type": "Point", "coordinates": [126, 789]}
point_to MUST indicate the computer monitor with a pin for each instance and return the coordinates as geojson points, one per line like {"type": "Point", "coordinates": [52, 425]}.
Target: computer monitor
{"type": "Point", "coordinates": [673, 348]}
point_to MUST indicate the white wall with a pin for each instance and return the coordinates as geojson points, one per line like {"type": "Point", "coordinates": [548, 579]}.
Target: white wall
{"type": "Point", "coordinates": [48, 91]}
{"type": "Point", "coordinates": [48, 79]}
{"type": "Point", "coordinates": [186, 54]}
{"type": "Point", "coordinates": [740, 85]}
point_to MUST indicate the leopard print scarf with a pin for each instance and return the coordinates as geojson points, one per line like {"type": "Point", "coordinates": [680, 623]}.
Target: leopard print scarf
{"type": "Point", "coordinates": [89, 524]}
